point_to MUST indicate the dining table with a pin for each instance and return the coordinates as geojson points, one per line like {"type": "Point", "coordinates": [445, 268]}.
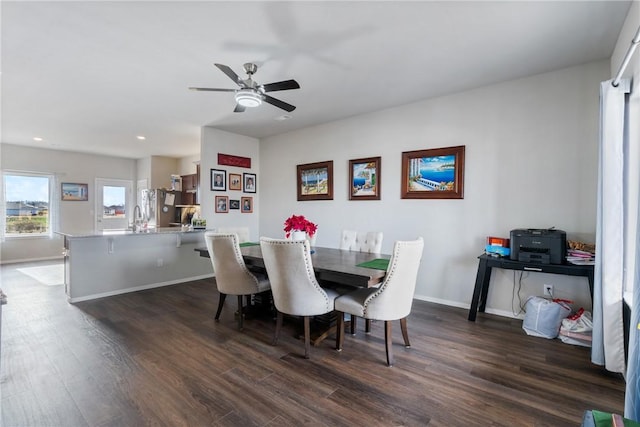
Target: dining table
{"type": "Point", "coordinates": [332, 267]}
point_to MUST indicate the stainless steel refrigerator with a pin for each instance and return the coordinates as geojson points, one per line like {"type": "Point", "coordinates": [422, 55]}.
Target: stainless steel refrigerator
{"type": "Point", "coordinates": [159, 207]}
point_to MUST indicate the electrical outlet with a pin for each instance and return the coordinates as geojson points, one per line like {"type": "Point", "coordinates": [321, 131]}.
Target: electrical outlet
{"type": "Point", "coordinates": [548, 290]}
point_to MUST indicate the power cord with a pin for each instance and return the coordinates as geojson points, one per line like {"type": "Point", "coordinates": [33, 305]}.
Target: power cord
{"type": "Point", "coordinates": [514, 293]}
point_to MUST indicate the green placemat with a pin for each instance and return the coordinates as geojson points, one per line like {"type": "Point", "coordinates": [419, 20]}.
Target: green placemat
{"type": "Point", "coordinates": [243, 244]}
{"type": "Point", "coordinates": [378, 264]}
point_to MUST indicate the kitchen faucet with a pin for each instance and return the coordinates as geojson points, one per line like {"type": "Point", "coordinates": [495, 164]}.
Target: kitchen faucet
{"type": "Point", "coordinates": [137, 217]}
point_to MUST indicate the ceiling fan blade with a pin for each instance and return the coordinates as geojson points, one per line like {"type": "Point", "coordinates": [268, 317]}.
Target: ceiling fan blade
{"type": "Point", "coordinates": [211, 89]}
{"type": "Point", "coordinates": [283, 85]}
{"type": "Point", "coordinates": [230, 73]}
{"type": "Point", "coordinates": [280, 104]}
{"type": "Point", "coordinates": [239, 109]}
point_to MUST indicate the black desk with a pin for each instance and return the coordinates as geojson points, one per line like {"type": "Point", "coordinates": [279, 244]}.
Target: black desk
{"type": "Point", "coordinates": [487, 262]}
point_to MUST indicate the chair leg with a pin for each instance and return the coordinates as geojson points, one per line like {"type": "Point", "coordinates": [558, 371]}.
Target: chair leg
{"type": "Point", "coordinates": [307, 337]}
{"type": "Point", "coordinates": [276, 334]}
{"type": "Point", "coordinates": [353, 324]}
{"type": "Point", "coordinates": [340, 330]}
{"type": "Point", "coordinates": [367, 326]}
{"type": "Point", "coordinates": [387, 342]}
{"type": "Point", "coordinates": [220, 305]}
{"type": "Point", "coordinates": [240, 314]}
{"type": "Point", "coordinates": [405, 333]}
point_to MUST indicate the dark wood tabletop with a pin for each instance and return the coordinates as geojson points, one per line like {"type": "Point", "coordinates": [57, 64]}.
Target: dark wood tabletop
{"type": "Point", "coordinates": [330, 264]}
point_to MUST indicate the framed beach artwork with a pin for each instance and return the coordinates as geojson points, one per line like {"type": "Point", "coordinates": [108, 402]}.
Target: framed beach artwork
{"type": "Point", "coordinates": [222, 204]}
{"type": "Point", "coordinates": [75, 192]}
{"type": "Point", "coordinates": [433, 174]}
{"type": "Point", "coordinates": [364, 179]}
{"type": "Point", "coordinates": [315, 181]}
{"type": "Point", "coordinates": [218, 180]}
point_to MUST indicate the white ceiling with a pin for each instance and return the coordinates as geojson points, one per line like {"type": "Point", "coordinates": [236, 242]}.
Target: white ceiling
{"type": "Point", "coordinates": [90, 76]}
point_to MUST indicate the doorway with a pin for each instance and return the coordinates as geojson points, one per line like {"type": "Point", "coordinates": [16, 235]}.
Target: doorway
{"type": "Point", "coordinates": [113, 204]}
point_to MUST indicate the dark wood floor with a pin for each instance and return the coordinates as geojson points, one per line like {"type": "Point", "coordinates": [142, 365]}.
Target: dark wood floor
{"type": "Point", "coordinates": [158, 358]}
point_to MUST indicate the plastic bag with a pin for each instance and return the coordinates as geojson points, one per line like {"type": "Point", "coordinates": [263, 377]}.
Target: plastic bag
{"type": "Point", "coordinates": [543, 317]}
{"type": "Point", "coordinates": [577, 329]}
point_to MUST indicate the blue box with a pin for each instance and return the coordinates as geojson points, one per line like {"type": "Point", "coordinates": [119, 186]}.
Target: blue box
{"type": "Point", "coordinates": [495, 249]}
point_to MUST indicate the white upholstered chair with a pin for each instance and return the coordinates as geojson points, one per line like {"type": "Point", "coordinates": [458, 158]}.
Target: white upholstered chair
{"type": "Point", "coordinates": [390, 301]}
{"type": "Point", "coordinates": [242, 232]}
{"type": "Point", "coordinates": [232, 275]}
{"type": "Point", "coordinates": [361, 241]}
{"type": "Point", "coordinates": [295, 290]}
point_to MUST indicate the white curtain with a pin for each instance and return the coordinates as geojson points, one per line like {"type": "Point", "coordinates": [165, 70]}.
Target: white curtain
{"type": "Point", "coordinates": [608, 329]}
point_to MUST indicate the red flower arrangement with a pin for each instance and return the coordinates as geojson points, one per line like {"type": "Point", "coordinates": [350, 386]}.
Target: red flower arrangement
{"type": "Point", "coordinates": [299, 223]}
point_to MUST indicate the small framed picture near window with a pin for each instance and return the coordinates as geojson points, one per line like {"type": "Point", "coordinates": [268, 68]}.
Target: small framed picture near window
{"type": "Point", "coordinates": [315, 181]}
{"type": "Point", "coordinates": [246, 205]}
{"type": "Point", "coordinates": [433, 174]}
{"type": "Point", "coordinates": [250, 182]}
{"type": "Point", "coordinates": [235, 181]}
{"type": "Point", "coordinates": [218, 180]}
{"type": "Point", "coordinates": [364, 179]}
{"type": "Point", "coordinates": [75, 192]}
{"type": "Point", "coordinates": [222, 204]}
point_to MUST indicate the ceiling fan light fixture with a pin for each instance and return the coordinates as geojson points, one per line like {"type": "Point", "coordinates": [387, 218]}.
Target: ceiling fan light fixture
{"type": "Point", "coordinates": [248, 98]}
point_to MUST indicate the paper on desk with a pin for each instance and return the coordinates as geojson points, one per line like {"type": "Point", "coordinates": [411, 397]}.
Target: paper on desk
{"type": "Point", "coordinates": [169, 199]}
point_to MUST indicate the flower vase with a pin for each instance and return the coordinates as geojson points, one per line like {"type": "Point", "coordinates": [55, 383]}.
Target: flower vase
{"type": "Point", "coordinates": [298, 235]}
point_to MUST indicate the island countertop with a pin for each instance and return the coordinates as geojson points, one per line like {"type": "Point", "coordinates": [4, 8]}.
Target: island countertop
{"type": "Point", "coordinates": [150, 231]}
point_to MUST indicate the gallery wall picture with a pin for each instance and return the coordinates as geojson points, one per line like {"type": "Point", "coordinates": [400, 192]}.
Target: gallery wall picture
{"type": "Point", "coordinates": [246, 204]}
{"type": "Point", "coordinates": [234, 204]}
{"type": "Point", "coordinates": [235, 181]}
{"type": "Point", "coordinates": [250, 182]}
{"type": "Point", "coordinates": [222, 204]}
{"type": "Point", "coordinates": [218, 180]}
{"type": "Point", "coordinates": [433, 174]}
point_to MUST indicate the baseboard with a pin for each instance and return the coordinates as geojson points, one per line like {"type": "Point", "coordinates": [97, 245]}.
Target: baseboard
{"type": "Point", "coordinates": [138, 288]}
{"type": "Point", "coordinates": [458, 304]}
{"type": "Point", "coordinates": [16, 261]}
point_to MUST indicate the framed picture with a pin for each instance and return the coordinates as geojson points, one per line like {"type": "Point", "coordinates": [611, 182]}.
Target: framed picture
{"type": "Point", "coordinates": [364, 179]}
{"type": "Point", "coordinates": [222, 204]}
{"type": "Point", "coordinates": [250, 182]}
{"type": "Point", "coordinates": [75, 192]}
{"type": "Point", "coordinates": [234, 204]}
{"type": "Point", "coordinates": [218, 180]}
{"type": "Point", "coordinates": [433, 174]}
{"type": "Point", "coordinates": [247, 205]}
{"type": "Point", "coordinates": [315, 181]}
{"type": "Point", "coordinates": [235, 181]}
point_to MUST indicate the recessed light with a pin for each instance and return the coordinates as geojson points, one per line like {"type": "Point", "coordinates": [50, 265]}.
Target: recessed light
{"type": "Point", "coordinates": [37, 138]}
{"type": "Point", "coordinates": [141, 138]}
{"type": "Point", "coordinates": [283, 117]}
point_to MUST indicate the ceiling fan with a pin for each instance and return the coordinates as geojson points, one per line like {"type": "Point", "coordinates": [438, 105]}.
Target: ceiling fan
{"type": "Point", "coordinates": [251, 94]}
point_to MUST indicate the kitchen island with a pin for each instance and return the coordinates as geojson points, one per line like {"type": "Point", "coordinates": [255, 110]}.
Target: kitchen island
{"type": "Point", "coordinates": [107, 263]}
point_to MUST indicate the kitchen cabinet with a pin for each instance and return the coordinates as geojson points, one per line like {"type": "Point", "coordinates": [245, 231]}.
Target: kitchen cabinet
{"type": "Point", "coordinates": [191, 188]}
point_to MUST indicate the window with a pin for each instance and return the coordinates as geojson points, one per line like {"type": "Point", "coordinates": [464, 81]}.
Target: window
{"type": "Point", "coordinates": [27, 204]}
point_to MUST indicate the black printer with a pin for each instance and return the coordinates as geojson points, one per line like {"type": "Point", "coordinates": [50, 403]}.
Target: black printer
{"type": "Point", "coordinates": [545, 246]}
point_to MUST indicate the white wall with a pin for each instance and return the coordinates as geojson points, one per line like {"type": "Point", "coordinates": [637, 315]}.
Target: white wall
{"type": "Point", "coordinates": [531, 161]}
{"type": "Point", "coordinates": [215, 141]}
{"type": "Point", "coordinates": [75, 217]}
